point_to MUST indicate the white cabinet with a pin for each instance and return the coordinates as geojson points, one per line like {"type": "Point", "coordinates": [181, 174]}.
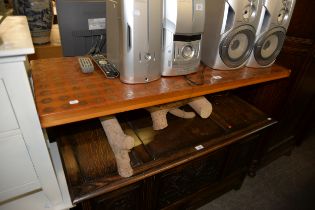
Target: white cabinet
{"type": "Point", "coordinates": [8, 121]}
{"type": "Point", "coordinates": [17, 171]}
{"type": "Point", "coordinates": [28, 177]}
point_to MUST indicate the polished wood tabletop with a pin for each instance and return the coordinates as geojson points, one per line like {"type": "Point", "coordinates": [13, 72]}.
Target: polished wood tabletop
{"type": "Point", "coordinates": [63, 94]}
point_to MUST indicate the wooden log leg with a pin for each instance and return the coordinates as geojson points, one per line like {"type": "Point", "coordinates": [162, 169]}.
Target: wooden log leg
{"type": "Point", "coordinates": [180, 113]}
{"type": "Point", "coordinates": [202, 106]}
{"type": "Point", "coordinates": [159, 119]}
{"type": "Point", "coordinates": [120, 144]}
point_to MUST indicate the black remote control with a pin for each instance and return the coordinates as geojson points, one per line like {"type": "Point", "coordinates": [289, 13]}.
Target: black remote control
{"type": "Point", "coordinates": [107, 68]}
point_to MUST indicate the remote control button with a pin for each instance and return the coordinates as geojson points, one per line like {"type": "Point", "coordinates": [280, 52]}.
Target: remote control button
{"type": "Point", "coordinates": [102, 62]}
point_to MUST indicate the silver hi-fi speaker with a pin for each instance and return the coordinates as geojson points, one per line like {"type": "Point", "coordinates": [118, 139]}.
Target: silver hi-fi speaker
{"type": "Point", "coordinates": [229, 34]}
{"type": "Point", "coordinates": [134, 38]}
{"type": "Point", "coordinates": [183, 26]}
{"type": "Point", "coordinates": [274, 22]}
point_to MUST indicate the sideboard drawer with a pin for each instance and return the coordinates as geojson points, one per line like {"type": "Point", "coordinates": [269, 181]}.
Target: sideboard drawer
{"type": "Point", "coordinates": [125, 198]}
{"type": "Point", "coordinates": [189, 178]}
{"type": "Point", "coordinates": [16, 169]}
{"type": "Point", "coordinates": [7, 117]}
{"type": "Point", "coordinates": [241, 154]}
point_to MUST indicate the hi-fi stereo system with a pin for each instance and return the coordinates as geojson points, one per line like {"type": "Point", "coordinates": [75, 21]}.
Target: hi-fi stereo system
{"type": "Point", "coordinates": [147, 39]}
{"type": "Point", "coordinates": [183, 26]}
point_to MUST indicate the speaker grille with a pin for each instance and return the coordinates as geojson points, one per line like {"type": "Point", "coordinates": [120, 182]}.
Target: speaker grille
{"type": "Point", "coordinates": [269, 46]}
{"type": "Point", "coordinates": [237, 46]}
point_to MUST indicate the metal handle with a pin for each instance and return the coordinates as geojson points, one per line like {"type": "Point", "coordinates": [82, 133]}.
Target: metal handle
{"type": "Point", "coordinates": [129, 43]}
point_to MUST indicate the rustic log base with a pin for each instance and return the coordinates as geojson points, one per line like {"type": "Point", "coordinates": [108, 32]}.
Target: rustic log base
{"type": "Point", "coordinates": [120, 144]}
{"type": "Point", "coordinates": [158, 113]}
{"type": "Point", "coordinates": [159, 117]}
{"type": "Point", "coordinates": [202, 106]}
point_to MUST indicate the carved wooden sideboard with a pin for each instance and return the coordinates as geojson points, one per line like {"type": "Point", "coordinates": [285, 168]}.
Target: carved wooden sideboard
{"type": "Point", "coordinates": [183, 166]}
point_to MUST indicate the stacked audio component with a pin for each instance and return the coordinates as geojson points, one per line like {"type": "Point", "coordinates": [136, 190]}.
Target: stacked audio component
{"type": "Point", "coordinates": [270, 36]}
{"type": "Point", "coordinates": [134, 38]}
{"type": "Point", "coordinates": [229, 35]}
{"type": "Point", "coordinates": [150, 38]}
{"type": "Point", "coordinates": [183, 26]}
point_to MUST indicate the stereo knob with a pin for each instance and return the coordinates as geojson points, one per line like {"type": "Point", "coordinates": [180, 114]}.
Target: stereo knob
{"type": "Point", "coordinates": [188, 52]}
{"type": "Point", "coordinates": [147, 57]}
{"type": "Point", "coordinates": [249, 12]}
{"type": "Point", "coordinates": [282, 16]}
